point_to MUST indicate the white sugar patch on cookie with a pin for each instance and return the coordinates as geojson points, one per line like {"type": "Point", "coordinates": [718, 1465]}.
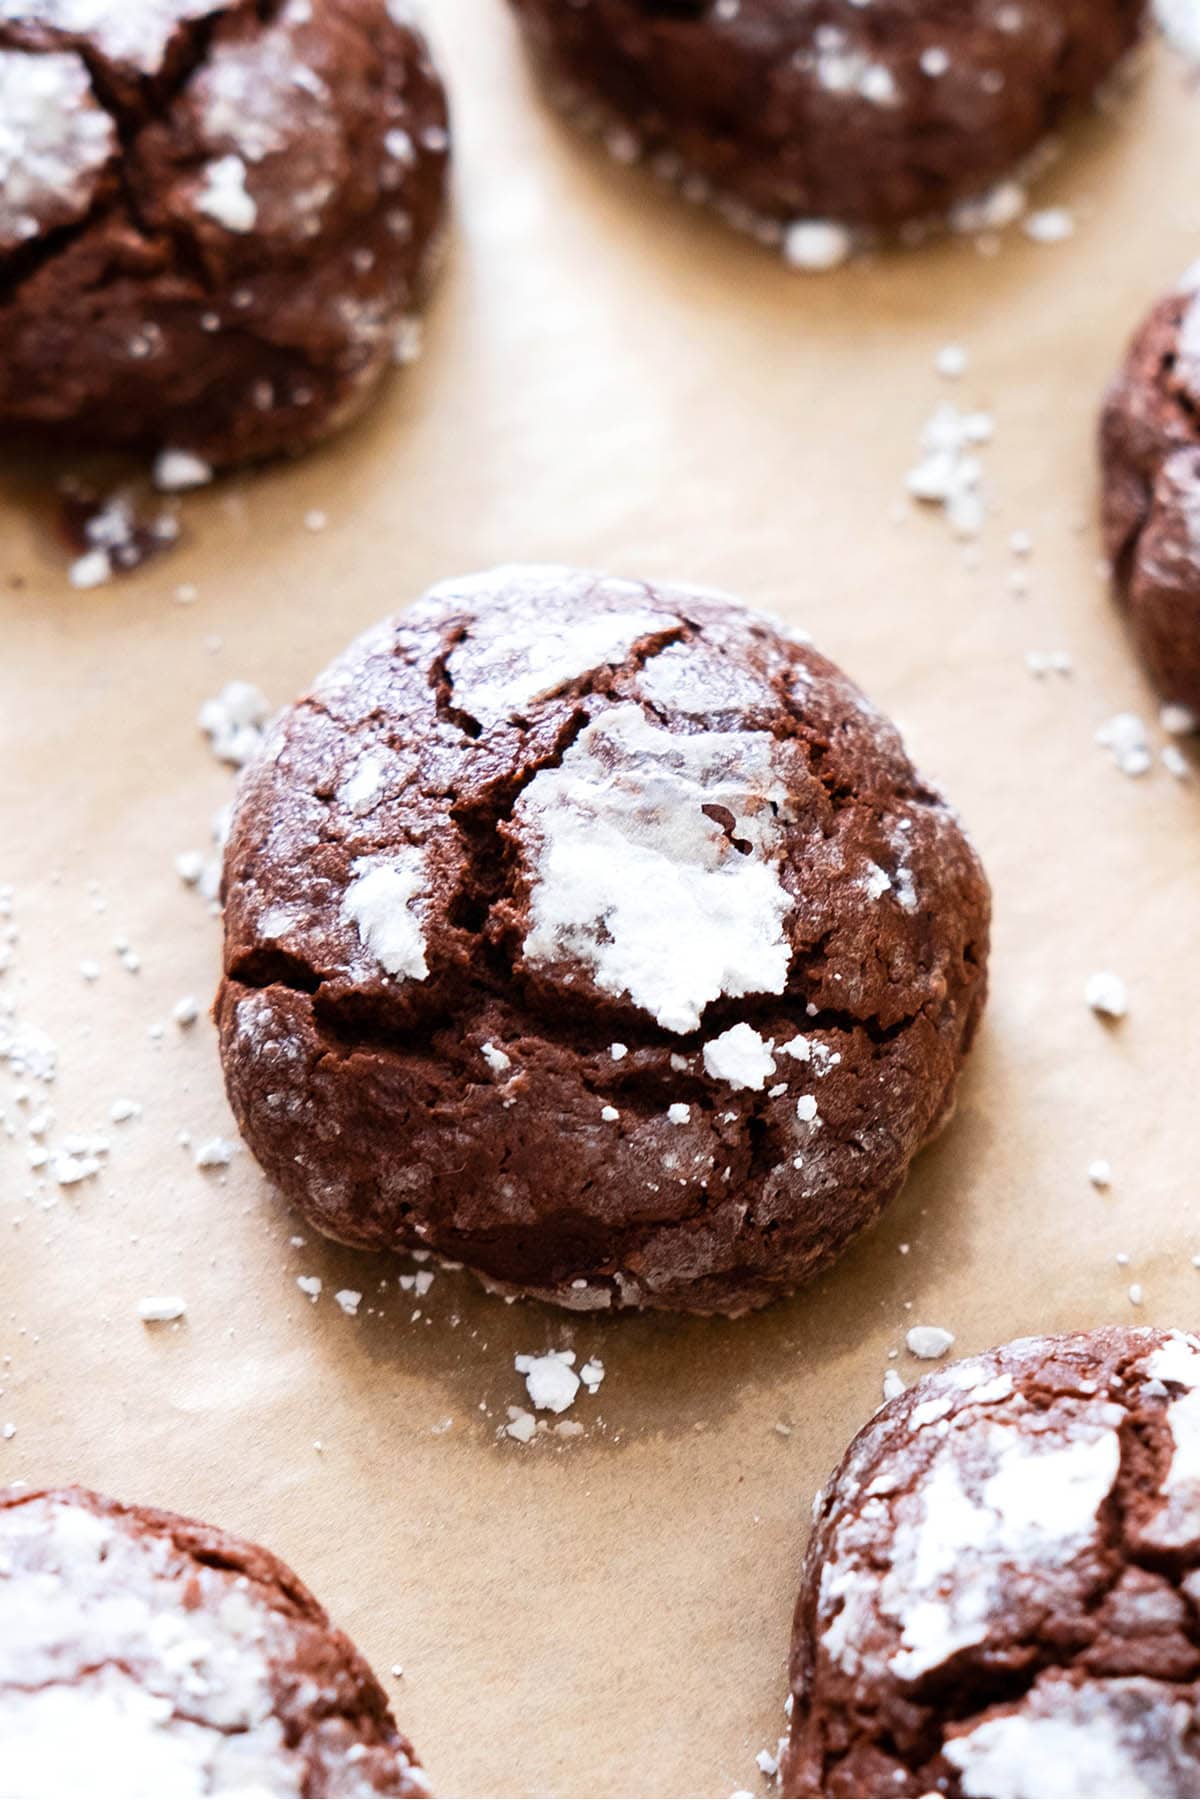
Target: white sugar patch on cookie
{"type": "Point", "coordinates": [380, 902]}
{"type": "Point", "coordinates": [1065, 1741]}
{"type": "Point", "coordinates": [225, 197]}
{"type": "Point", "coordinates": [54, 141]}
{"type": "Point", "coordinates": [138, 32]}
{"type": "Point", "coordinates": [495, 678]}
{"type": "Point", "coordinates": [636, 881]}
{"type": "Point", "coordinates": [1176, 1524]}
{"type": "Point", "coordinates": [1032, 1503]}
{"type": "Point", "coordinates": [741, 1056]}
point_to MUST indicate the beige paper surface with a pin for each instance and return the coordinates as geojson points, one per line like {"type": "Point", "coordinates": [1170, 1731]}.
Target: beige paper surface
{"type": "Point", "coordinates": [610, 380]}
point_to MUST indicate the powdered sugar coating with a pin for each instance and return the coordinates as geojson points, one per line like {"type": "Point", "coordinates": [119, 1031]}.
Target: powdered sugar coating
{"type": "Point", "coordinates": [636, 880]}
{"type": "Point", "coordinates": [55, 143]}
{"type": "Point", "coordinates": [1126, 1739]}
{"type": "Point", "coordinates": [131, 1666]}
{"type": "Point", "coordinates": [1009, 1512]}
{"type": "Point", "coordinates": [252, 144]}
{"type": "Point", "coordinates": [137, 33]}
{"type": "Point", "coordinates": [632, 941]}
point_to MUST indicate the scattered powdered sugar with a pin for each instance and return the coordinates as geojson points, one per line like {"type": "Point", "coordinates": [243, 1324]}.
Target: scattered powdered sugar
{"type": "Point", "coordinates": [215, 1153]}
{"type": "Point", "coordinates": [233, 722]}
{"type": "Point", "coordinates": [949, 473]}
{"type": "Point", "coordinates": [634, 878]}
{"type": "Point", "coordinates": [1106, 994]}
{"type": "Point", "coordinates": [380, 902]}
{"type": "Point", "coordinates": [161, 1309]}
{"type": "Point", "coordinates": [1125, 736]}
{"type": "Point", "coordinates": [929, 1341]}
{"type": "Point", "coordinates": [741, 1056]}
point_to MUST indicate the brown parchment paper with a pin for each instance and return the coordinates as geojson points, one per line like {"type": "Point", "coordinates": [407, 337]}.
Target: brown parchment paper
{"type": "Point", "coordinates": [611, 380]}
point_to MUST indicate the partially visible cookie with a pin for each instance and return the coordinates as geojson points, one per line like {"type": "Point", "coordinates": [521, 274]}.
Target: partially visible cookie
{"type": "Point", "coordinates": [1150, 455]}
{"type": "Point", "coordinates": [808, 120]}
{"type": "Point", "coordinates": [215, 217]}
{"type": "Point", "coordinates": [598, 935]}
{"type": "Point", "coordinates": [1002, 1592]}
{"type": "Point", "coordinates": [147, 1656]}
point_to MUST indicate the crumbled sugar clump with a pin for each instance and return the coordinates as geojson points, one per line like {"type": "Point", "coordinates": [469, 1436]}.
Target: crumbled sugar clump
{"type": "Point", "coordinates": [161, 1309]}
{"type": "Point", "coordinates": [948, 473]}
{"type": "Point", "coordinates": [550, 1379]}
{"type": "Point", "coordinates": [1106, 994]}
{"type": "Point", "coordinates": [215, 1153]}
{"type": "Point", "coordinates": [521, 1424]}
{"type": "Point", "coordinates": [380, 903]}
{"type": "Point", "coordinates": [233, 722]}
{"type": "Point", "coordinates": [224, 196]}
{"type": "Point", "coordinates": [1099, 1173]}
{"type": "Point", "coordinates": [635, 879]}
{"type": "Point", "coordinates": [177, 471]}
{"type": "Point", "coordinates": [592, 1374]}
{"type": "Point", "coordinates": [929, 1341]}
{"type": "Point", "coordinates": [186, 1011]}
{"type": "Point", "coordinates": [679, 1113]}
{"type": "Point", "coordinates": [349, 1299]}
{"type": "Point", "coordinates": [816, 245]}
{"type": "Point", "coordinates": [497, 1061]}
{"type": "Point", "coordinates": [1125, 736]}
{"type": "Point", "coordinates": [740, 1056]}
{"type": "Point", "coordinates": [68, 1170]}
{"type": "Point", "coordinates": [310, 1285]}
{"type": "Point", "coordinates": [91, 570]}
{"type": "Point", "coordinates": [893, 1385]}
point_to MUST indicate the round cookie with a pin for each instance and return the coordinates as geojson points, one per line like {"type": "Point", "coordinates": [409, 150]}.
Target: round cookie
{"type": "Point", "coordinates": [1150, 456]}
{"type": "Point", "coordinates": [215, 218]}
{"type": "Point", "coordinates": [1002, 1592]}
{"type": "Point", "coordinates": [599, 936]}
{"type": "Point", "coordinates": [146, 1656]}
{"type": "Point", "coordinates": [803, 117]}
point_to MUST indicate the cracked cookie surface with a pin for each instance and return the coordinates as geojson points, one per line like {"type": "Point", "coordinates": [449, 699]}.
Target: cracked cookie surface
{"type": "Point", "coordinates": [147, 1655]}
{"type": "Point", "coordinates": [792, 111]}
{"type": "Point", "coordinates": [1150, 455]}
{"type": "Point", "coordinates": [215, 217]}
{"type": "Point", "coordinates": [1002, 1592]}
{"type": "Point", "coordinates": [599, 936]}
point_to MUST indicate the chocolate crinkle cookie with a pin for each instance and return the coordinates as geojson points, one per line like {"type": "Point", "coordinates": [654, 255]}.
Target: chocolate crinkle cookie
{"type": "Point", "coordinates": [214, 218]}
{"type": "Point", "coordinates": [1150, 453]}
{"type": "Point", "coordinates": [599, 936]}
{"type": "Point", "coordinates": [146, 1656]}
{"type": "Point", "coordinates": [1002, 1593]}
{"type": "Point", "coordinates": [803, 118]}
